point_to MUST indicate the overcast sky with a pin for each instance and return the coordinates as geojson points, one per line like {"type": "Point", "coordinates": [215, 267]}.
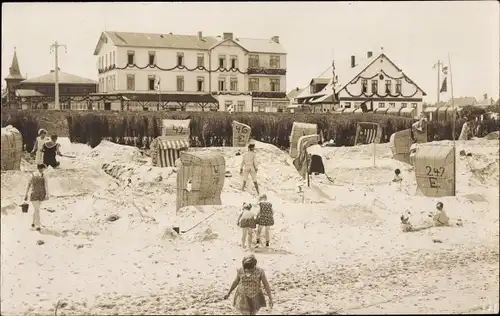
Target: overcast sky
{"type": "Point", "coordinates": [414, 35]}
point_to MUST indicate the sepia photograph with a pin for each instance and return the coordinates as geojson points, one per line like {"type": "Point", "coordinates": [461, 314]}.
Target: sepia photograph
{"type": "Point", "coordinates": [250, 158]}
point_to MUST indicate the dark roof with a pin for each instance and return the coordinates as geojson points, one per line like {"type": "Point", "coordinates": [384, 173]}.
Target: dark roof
{"type": "Point", "coordinates": [64, 78]}
{"type": "Point", "coordinates": [171, 97]}
{"type": "Point", "coordinates": [156, 40]}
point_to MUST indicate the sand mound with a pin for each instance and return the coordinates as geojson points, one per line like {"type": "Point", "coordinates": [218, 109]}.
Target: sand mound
{"type": "Point", "coordinates": [111, 152]}
{"type": "Point", "coordinates": [340, 237]}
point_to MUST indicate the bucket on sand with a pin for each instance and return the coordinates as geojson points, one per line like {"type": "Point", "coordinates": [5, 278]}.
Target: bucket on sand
{"type": "Point", "coordinates": [24, 207]}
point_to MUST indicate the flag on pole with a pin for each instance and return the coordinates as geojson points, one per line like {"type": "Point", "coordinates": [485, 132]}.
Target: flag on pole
{"type": "Point", "coordinates": [444, 86]}
{"type": "Point", "coordinates": [365, 108]}
{"type": "Point", "coordinates": [157, 87]}
{"type": "Point", "coordinates": [445, 70]}
{"type": "Point", "coordinates": [334, 82]}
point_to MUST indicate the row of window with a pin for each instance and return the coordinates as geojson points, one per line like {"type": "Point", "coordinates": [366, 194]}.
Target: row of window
{"type": "Point", "coordinates": [253, 60]}
{"type": "Point", "coordinates": [380, 105]}
{"type": "Point", "coordinates": [66, 90]}
{"type": "Point", "coordinates": [222, 85]}
{"type": "Point", "coordinates": [238, 107]}
{"type": "Point", "coordinates": [107, 84]}
{"type": "Point", "coordinates": [374, 85]}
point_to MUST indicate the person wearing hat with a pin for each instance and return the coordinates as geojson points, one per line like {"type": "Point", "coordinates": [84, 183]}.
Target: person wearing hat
{"type": "Point", "coordinates": [38, 146]}
{"type": "Point", "coordinates": [249, 297]}
{"type": "Point", "coordinates": [249, 167]}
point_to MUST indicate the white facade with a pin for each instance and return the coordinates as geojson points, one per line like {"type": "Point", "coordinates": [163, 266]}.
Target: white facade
{"type": "Point", "coordinates": [231, 88]}
{"type": "Point", "coordinates": [378, 75]}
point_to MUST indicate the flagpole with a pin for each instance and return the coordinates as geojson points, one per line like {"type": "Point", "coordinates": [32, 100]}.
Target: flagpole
{"type": "Point", "coordinates": [453, 127]}
{"type": "Point", "coordinates": [159, 94]}
{"type": "Point", "coordinates": [438, 82]}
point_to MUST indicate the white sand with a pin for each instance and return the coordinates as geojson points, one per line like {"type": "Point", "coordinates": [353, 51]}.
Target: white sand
{"type": "Point", "coordinates": [342, 250]}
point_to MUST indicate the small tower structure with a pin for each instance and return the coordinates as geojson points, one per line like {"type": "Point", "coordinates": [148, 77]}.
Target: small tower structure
{"type": "Point", "coordinates": [13, 80]}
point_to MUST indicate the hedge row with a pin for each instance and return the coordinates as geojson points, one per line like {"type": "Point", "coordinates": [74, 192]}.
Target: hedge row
{"type": "Point", "coordinates": [213, 128]}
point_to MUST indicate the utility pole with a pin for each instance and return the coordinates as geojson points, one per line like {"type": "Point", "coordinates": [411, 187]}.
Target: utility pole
{"type": "Point", "coordinates": [55, 49]}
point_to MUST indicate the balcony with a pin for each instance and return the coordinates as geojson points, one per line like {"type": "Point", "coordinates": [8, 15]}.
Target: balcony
{"type": "Point", "coordinates": [266, 71]}
{"type": "Point", "coordinates": [269, 94]}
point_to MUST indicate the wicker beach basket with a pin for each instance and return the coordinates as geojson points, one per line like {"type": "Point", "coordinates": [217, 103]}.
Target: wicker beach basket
{"type": "Point", "coordinates": [299, 130]}
{"type": "Point", "coordinates": [241, 134]}
{"type": "Point", "coordinates": [12, 148]}
{"type": "Point", "coordinates": [200, 178]}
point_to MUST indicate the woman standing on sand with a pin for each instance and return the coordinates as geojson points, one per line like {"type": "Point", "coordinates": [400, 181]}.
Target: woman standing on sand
{"type": "Point", "coordinates": [249, 297]}
{"type": "Point", "coordinates": [37, 148]}
{"type": "Point", "coordinates": [39, 193]}
{"type": "Point", "coordinates": [265, 218]}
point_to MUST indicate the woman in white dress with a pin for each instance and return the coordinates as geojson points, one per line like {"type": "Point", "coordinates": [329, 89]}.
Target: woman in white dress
{"type": "Point", "coordinates": [37, 148]}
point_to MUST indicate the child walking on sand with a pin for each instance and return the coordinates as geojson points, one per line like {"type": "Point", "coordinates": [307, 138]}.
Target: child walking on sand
{"type": "Point", "coordinates": [249, 297]}
{"type": "Point", "coordinates": [246, 221]}
{"type": "Point", "coordinates": [249, 167]}
{"type": "Point", "coordinates": [265, 218]}
{"type": "Point", "coordinates": [39, 193]}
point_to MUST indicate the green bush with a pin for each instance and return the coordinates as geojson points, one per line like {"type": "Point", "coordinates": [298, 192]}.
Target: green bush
{"type": "Point", "coordinates": [210, 128]}
{"type": "Point", "coordinates": [215, 128]}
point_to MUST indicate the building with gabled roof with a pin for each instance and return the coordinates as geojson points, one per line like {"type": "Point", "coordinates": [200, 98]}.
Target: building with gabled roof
{"type": "Point", "coordinates": [219, 72]}
{"type": "Point", "coordinates": [39, 92]}
{"type": "Point", "coordinates": [374, 79]}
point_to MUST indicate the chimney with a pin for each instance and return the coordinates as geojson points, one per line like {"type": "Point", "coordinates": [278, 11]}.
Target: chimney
{"type": "Point", "coordinates": [275, 39]}
{"type": "Point", "coordinates": [227, 36]}
{"type": "Point", "coordinates": [353, 61]}
{"type": "Point", "coordinates": [200, 35]}
{"type": "Point", "coordinates": [369, 54]}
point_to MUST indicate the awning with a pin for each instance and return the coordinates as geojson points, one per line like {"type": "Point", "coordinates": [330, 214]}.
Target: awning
{"type": "Point", "coordinates": [443, 108]}
{"type": "Point", "coordinates": [171, 97]}
{"type": "Point", "coordinates": [322, 99]}
{"type": "Point", "coordinates": [28, 93]}
{"type": "Point", "coordinates": [430, 109]}
{"type": "Point", "coordinates": [393, 111]}
{"type": "Point", "coordinates": [381, 110]}
{"type": "Point", "coordinates": [174, 144]}
{"type": "Point", "coordinates": [408, 111]}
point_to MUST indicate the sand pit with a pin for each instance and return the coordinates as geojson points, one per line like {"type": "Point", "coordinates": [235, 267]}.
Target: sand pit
{"type": "Point", "coordinates": [342, 250]}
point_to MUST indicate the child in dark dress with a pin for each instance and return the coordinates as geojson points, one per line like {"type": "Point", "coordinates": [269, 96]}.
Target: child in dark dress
{"type": "Point", "coordinates": [50, 150]}
{"type": "Point", "coordinates": [39, 192]}
{"type": "Point", "coordinates": [265, 218]}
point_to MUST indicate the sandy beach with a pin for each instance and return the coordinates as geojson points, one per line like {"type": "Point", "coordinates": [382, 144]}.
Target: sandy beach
{"type": "Point", "coordinates": [337, 249]}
